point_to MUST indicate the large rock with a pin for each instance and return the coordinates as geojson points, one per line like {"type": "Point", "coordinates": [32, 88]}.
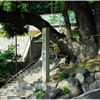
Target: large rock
{"type": "Point", "coordinates": [55, 71]}
{"type": "Point", "coordinates": [51, 94]}
{"type": "Point", "coordinates": [80, 77]}
{"type": "Point", "coordinates": [41, 86]}
{"type": "Point", "coordinates": [94, 70]}
{"type": "Point", "coordinates": [89, 79]}
{"type": "Point", "coordinates": [97, 69]}
{"type": "Point", "coordinates": [72, 84]}
{"type": "Point", "coordinates": [62, 63]}
{"type": "Point", "coordinates": [71, 75]}
{"type": "Point", "coordinates": [51, 84]}
{"type": "Point", "coordinates": [85, 87]}
{"type": "Point", "coordinates": [97, 75]}
{"type": "Point", "coordinates": [81, 70]}
{"type": "Point", "coordinates": [67, 96]}
{"type": "Point", "coordinates": [94, 85]}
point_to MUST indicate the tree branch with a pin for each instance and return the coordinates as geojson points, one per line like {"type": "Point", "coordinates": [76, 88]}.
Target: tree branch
{"type": "Point", "coordinates": [66, 18]}
{"type": "Point", "coordinates": [21, 19]}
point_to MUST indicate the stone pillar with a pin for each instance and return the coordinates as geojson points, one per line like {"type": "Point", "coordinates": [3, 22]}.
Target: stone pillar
{"type": "Point", "coordinates": [45, 54]}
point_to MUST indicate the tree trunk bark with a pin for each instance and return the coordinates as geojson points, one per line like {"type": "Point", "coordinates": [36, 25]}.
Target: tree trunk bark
{"type": "Point", "coordinates": [87, 46]}
{"type": "Point", "coordinates": [66, 18]}
{"type": "Point", "coordinates": [97, 20]}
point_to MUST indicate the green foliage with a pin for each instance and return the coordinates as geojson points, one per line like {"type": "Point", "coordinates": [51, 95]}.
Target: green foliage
{"type": "Point", "coordinates": [75, 33]}
{"type": "Point", "coordinates": [57, 19]}
{"type": "Point", "coordinates": [44, 7]}
{"type": "Point", "coordinates": [6, 5]}
{"type": "Point", "coordinates": [38, 94]}
{"type": "Point", "coordinates": [28, 6]}
{"type": "Point", "coordinates": [79, 64]}
{"type": "Point", "coordinates": [23, 7]}
{"type": "Point", "coordinates": [53, 19]}
{"type": "Point", "coordinates": [71, 16]}
{"type": "Point", "coordinates": [65, 90]}
{"type": "Point", "coordinates": [4, 56]}
{"type": "Point", "coordinates": [63, 75]}
{"type": "Point", "coordinates": [90, 1]}
{"type": "Point", "coordinates": [94, 64]}
{"type": "Point", "coordinates": [59, 6]}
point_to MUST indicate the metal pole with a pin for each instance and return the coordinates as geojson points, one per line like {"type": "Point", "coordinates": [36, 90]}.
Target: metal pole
{"type": "Point", "coordinates": [16, 54]}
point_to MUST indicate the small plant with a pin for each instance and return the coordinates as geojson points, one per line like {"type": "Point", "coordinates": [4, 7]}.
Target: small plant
{"type": "Point", "coordinates": [75, 33]}
{"type": "Point", "coordinates": [79, 64]}
{"type": "Point", "coordinates": [65, 90]}
{"type": "Point", "coordinates": [63, 75]}
{"type": "Point", "coordinates": [94, 64]}
{"type": "Point", "coordinates": [38, 94]}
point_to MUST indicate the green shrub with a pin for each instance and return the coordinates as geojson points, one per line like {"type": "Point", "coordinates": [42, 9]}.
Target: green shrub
{"type": "Point", "coordinates": [38, 94]}
{"type": "Point", "coordinates": [63, 75]}
{"type": "Point", "coordinates": [65, 90]}
{"type": "Point", "coordinates": [4, 57]}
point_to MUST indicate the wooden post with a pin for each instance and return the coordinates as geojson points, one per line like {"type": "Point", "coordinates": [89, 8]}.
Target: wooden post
{"type": "Point", "coordinates": [45, 54]}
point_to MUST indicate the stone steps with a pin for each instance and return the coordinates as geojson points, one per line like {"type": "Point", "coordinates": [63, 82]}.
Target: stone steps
{"type": "Point", "coordinates": [22, 85]}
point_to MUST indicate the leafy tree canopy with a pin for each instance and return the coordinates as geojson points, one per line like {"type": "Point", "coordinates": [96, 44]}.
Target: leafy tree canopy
{"type": "Point", "coordinates": [40, 7]}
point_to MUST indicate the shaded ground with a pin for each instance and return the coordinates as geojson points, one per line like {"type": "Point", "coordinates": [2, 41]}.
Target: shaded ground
{"type": "Point", "coordinates": [89, 65]}
{"type": "Point", "coordinates": [20, 66]}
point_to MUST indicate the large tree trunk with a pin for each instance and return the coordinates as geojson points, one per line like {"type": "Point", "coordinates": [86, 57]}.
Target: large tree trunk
{"type": "Point", "coordinates": [87, 47]}
{"type": "Point", "coordinates": [97, 21]}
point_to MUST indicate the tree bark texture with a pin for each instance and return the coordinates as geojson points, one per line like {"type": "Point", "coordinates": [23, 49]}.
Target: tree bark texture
{"type": "Point", "coordinates": [97, 20]}
{"type": "Point", "coordinates": [86, 26]}
{"type": "Point", "coordinates": [66, 18]}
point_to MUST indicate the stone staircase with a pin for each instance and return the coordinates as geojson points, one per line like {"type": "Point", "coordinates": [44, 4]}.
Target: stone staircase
{"type": "Point", "coordinates": [22, 86]}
